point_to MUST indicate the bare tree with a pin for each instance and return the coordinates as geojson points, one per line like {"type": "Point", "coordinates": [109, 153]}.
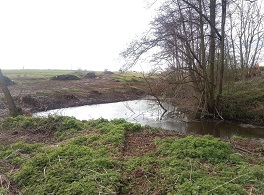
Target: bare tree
{"type": "Point", "coordinates": [190, 38]}
{"type": "Point", "coordinates": [246, 34]}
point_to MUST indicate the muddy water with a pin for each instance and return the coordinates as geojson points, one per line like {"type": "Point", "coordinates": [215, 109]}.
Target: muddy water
{"type": "Point", "coordinates": [148, 112]}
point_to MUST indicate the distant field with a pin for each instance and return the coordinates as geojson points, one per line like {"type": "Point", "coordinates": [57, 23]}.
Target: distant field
{"type": "Point", "coordinates": [37, 74]}
{"type": "Point", "coordinates": [46, 74]}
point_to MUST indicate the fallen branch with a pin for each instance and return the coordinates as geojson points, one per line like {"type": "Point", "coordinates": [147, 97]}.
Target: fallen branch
{"type": "Point", "coordinates": [219, 114]}
{"type": "Point", "coordinates": [241, 149]}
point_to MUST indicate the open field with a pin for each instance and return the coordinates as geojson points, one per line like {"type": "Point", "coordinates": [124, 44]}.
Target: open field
{"type": "Point", "coordinates": [34, 74]}
{"type": "Point", "coordinates": [35, 91]}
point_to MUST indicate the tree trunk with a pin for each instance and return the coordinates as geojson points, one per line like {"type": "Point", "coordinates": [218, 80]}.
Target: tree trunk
{"type": "Point", "coordinates": [222, 53]}
{"type": "Point", "coordinates": [13, 111]}
{"type": "Point", "coordinates": [212, 47]}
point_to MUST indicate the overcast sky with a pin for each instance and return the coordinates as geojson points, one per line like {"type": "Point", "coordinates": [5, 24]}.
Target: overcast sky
{"type": "Point", "coordinates": [69, 34]}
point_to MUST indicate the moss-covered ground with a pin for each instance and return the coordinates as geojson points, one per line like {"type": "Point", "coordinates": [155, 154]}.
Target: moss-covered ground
{"type": "Point", "coordinates": [61, 155]}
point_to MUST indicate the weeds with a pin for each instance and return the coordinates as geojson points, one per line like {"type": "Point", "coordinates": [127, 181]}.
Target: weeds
{"type": "Point", "coordinates": [61, 127]}
{"type": "Point", "coordinates": [205, 149]}
{"type": "Point", "coordinates": [69, 169]}
{"type": "Point", "coordinates": [191, 165]}
{"type": "Point", "coordinates": [89, 160]}
{"type": "Point", "coordinates": [243, 101]}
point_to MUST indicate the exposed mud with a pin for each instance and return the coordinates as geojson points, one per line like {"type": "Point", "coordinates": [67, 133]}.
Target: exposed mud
{"type": "Point", "coordinates": [33, 95]}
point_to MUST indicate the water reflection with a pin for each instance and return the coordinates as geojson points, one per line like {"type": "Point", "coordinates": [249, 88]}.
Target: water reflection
{"type": "Point", "coordinates": [148, 112]}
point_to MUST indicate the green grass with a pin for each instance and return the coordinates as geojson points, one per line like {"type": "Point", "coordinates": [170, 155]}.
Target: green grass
{"type": "Point", "coordinates": [244, 100]}
{"type": "Point", "coordinates": [128, 77]}
{"type": "Point", "coordinates": [86, 158]}
{"type": "Point", "coordinates": [35, 74]}
{"type": "Point", "coordinates": [47, 74]}
{"type": "Point", "coordinates": [191, 166]}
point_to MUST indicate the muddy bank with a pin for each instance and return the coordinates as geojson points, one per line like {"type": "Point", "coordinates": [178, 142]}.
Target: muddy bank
{"type": "Point", "coordinates": [33, 95]}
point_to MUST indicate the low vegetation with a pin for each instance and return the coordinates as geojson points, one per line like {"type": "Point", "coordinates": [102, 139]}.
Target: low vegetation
{"type": "Point", "coordinates": [36, 74]}
{"type": "Point", "coordinates": [128, 77]}
{"type": "Point", "coordinates": [244, 100]}
{"type": "Point", "coordinates": [47, 74]}
{"type": "Point", "coordinates": [94, 157]}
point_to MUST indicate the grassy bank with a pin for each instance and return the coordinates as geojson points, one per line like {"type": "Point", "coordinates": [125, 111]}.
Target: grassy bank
{"type": "Point", "coordinates": [61, 155]}
{"type": "Point", "coordinates": [244, 100]}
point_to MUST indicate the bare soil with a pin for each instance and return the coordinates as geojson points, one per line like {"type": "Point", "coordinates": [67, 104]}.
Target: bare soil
{"type": "Point", "coordinates": [25, 135]}
{"type": "Point", "coordinates": [140, 143]}
{"type": "Point", "coordinates": [33, 95]}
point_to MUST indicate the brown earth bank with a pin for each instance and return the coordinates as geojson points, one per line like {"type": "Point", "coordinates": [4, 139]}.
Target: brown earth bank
{"type": "Point", "coordinates": [33, 95]}
{"type": "Point", "coordinates": [42, 94]}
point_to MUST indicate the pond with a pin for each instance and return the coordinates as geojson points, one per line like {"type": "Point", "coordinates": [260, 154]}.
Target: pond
{"type": "Point", "coordinates": [148, 112]}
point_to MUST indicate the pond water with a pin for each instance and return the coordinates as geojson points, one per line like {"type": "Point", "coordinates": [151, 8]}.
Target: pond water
{"type": "Point", "coordinates": [148, 112]}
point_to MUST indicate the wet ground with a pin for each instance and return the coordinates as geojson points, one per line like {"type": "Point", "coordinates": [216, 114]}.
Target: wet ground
{"type": "Point", "coordinates": [33, 95]}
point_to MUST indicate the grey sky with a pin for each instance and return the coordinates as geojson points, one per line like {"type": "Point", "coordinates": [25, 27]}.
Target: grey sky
{"type": "Point", "coordinates": [68, 34]}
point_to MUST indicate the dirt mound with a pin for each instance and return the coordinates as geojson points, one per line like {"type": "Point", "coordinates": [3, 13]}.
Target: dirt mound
{"type": "Point", "coordinates": [27, 101]}
{"type": "Point", "coordinates": [90, 75]}
{"type": "Point", "coordinates": [65, 77]}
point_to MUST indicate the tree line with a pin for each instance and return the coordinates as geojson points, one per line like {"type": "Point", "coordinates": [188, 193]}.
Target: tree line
{"type": "Point", "coordinates": [203, 42]}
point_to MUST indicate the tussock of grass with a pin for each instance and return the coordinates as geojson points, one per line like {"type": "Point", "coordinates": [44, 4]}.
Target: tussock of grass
{"type": "Point", "coordinates": [87, 159]}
